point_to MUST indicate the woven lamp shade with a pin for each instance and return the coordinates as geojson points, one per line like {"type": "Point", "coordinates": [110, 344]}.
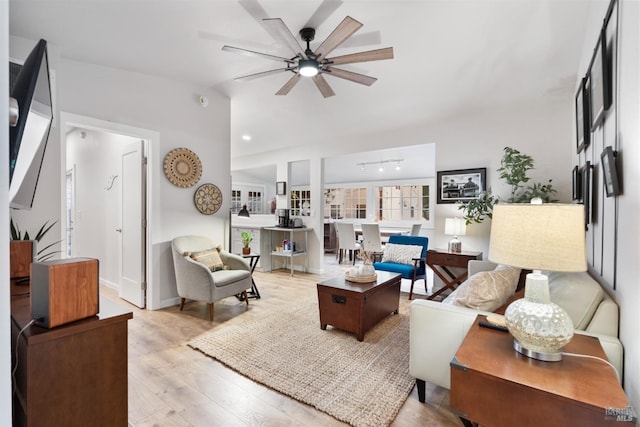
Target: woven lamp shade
{"type": "Point", "coordinates": [539, 237]}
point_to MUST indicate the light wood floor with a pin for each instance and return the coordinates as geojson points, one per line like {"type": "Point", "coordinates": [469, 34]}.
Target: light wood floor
{"type": "Point", "coordinates": [170, 384]}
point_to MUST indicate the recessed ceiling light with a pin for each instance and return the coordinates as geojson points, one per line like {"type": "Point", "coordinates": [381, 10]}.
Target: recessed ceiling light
{"type": "Point", "coordinates": [246, 137]}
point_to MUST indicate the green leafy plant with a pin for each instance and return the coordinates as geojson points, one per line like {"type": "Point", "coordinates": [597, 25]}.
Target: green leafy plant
{"type": "Point", "coordinates": [42, 254]}
{"type": "Point", "coordinates": [246, 238]}
{"type": "Point", "coordinates": [513, 169]}
{"type": "Point", "coordinates": [477, 210]}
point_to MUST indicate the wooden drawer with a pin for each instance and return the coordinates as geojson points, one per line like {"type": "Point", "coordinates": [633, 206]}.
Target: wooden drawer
{"type": "Point", "coordinates": [449, 259]}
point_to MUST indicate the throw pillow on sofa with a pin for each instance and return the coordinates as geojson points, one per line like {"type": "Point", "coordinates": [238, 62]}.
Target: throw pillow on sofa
{"type": "Point", "coordinates": [401, 254]}
{"type": "Point", "coordinates": [486, 290]}
{"type": "Point", "coordinates": [210, 258]}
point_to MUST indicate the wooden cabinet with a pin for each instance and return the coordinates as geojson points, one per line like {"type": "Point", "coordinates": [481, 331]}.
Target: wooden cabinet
{"type": "Point", "coordinates": [71, 375]}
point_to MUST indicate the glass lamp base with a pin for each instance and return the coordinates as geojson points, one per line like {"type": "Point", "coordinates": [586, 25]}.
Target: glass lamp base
{"type": "Point", "coordinates": [455, 245]}
{"type": "Point", "coordinates": [545, 357]}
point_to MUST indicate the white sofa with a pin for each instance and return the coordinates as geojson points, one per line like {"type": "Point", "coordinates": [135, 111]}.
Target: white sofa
{"type": "Point", "coordinates": [437, 329]}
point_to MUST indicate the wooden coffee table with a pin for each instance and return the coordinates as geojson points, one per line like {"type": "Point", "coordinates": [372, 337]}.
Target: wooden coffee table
{"type": "Point", "coordinates": [357, 307]}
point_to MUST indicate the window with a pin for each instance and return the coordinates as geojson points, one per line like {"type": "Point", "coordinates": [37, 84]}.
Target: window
{"type": "Point", "coordinates": [254, 202]}
{"type": "Point", "coordinates": [236, 201]}
{"type": "Point", "coordinates": [300, 203]}
{"type": "Point", "coordinates": [250, 195]}
{"type": "Point", "coordinates": [402, 203]}
{"type": "Point", "coordinates": [345, 203]}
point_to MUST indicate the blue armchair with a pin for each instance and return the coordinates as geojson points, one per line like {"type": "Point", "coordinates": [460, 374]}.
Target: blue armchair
{"type": "Point", "coordinates": [413, 268]}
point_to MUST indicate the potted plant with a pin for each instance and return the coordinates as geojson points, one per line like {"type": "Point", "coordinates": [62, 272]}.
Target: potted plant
{"type": "Point", "coordinates": [246, 240]}
{"type": "Point", "coordinates": [513, 170]}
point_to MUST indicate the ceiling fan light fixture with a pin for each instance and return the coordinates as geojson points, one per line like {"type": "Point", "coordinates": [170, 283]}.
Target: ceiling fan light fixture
{"type": "Point", "coordinates": [308, 67]}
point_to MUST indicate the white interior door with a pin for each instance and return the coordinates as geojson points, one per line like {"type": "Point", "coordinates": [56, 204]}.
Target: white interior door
{"type": "Point", "coordinates": [133, 233]}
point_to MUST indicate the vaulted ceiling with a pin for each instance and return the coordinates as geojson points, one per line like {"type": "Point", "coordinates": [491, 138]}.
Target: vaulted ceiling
{"type": "Point", "coordinates": [451, 56]}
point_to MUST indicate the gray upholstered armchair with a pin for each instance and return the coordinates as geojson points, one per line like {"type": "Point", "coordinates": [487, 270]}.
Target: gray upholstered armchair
{"type": "Point", "coordinates": [197, 281]}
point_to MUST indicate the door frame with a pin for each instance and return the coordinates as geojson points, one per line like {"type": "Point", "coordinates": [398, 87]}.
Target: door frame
{"type": "Point", "coordinates": [69, 121]}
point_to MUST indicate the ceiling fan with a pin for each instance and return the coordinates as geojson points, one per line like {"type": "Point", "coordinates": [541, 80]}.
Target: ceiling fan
{"type": "Point", "coordinates": [314, 64]}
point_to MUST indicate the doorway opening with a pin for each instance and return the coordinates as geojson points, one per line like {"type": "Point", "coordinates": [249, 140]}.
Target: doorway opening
{"type": "Point", "coordinates": [105, 211]}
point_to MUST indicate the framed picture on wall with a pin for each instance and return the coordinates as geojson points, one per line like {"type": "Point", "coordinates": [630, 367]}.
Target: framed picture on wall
{"type": "Point", "coordinates": [577, 183]}
{"type": "Point", "coordinates": [610, 172]}
{"type": "Point", "coordinates": [583, 123]}
{"type": "Point", "coordinates": [598, 81]}
{"type": "Point", "coordinates": [281, 188]}
{"type": "Point", "coordinates": [461, 185]}
{"type": "Point", "coordinates": [586, 192]}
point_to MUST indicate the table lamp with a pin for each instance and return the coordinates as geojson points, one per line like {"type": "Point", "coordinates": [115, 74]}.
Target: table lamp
{"type": "Point", "coordinates": [539, 237]}
{"type": "Point", "coordinates": [455, 227]}
{"type": "Point", "coordinates": [244, 212]}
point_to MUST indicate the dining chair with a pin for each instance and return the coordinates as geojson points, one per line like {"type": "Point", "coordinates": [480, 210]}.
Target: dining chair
{"type": "Point", "coordinates": [415, 229]}
{"type": "Point", "coordinates": [371, 240]}
{"type": "Point", "coordinates": [346, 236]}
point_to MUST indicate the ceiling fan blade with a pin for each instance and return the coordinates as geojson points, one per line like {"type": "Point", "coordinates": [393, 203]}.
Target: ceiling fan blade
{"type": "Point", "coordinates": [370, 55]}
{"type": "Point", "coordinates": [260, 74]}
{"type": "Point", "coordinates": [343, 31]}
{"type": "Point", "coordinates": [248, 52]}
{"type": "Point", "coordinates": [324, 11]}
{"type": "Point", "coordinates": [323, 86]}
{"type": "Point", "coordinates": [349, 75]}
{"type": "Point", "coordinates": [281, 32]}
{"type": "Point", "coordinates": [289, 85]}
{"type": "Point", "coordinates": [372, 38]}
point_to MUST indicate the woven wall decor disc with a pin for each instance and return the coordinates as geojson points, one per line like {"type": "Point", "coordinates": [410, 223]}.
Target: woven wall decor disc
{"type": "Point", "coordinates": [182, 167]}
{"type": "Point", "coordinates": [208, 199]}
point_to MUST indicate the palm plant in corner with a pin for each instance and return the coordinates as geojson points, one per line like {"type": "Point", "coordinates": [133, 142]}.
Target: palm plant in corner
{"type": "Point", "coordinates": [42, 254]}
{"type": "Point", "coordinates": [513, 170]}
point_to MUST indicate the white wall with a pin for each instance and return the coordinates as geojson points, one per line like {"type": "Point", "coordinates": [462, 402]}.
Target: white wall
{"type": "Point", "coordinates": [167, 107]}
{"type": "Point", "coordinates": [627, 293]}
{"type": "Point", "coordinates": [5, 332]}
{"type": "Point", "coordinates": [171, 109]}
{"type": "Point", "coordinates": [614, 260]}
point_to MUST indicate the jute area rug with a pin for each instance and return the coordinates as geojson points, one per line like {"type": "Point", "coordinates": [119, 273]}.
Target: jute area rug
{"type": "Point", "coordinates": [361, 383]}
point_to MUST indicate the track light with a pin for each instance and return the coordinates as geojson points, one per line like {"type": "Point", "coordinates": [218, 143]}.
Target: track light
{"type": "Point", "coordinates": [308, 67]}
{"type": "Point", "coordinates": [380, 164]}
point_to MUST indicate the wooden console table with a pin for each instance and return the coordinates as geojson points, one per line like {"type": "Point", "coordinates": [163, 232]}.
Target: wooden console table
{"type": "Point", "coordinates": [70, 375]}
{"type": "Point", "coordinates": [493, 385]}
{"type": "Point", "coordinates": [441, 260]}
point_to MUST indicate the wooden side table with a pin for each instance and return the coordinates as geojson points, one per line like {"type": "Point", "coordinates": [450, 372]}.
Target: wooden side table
{"type": "Point", "coordinates": [493, 385]}
{"type": "Point", "coordinates": [440, 260]}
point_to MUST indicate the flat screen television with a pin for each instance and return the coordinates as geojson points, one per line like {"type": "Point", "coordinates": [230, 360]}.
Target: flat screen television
{"type": "Point", "coordinates": [28, 138]}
